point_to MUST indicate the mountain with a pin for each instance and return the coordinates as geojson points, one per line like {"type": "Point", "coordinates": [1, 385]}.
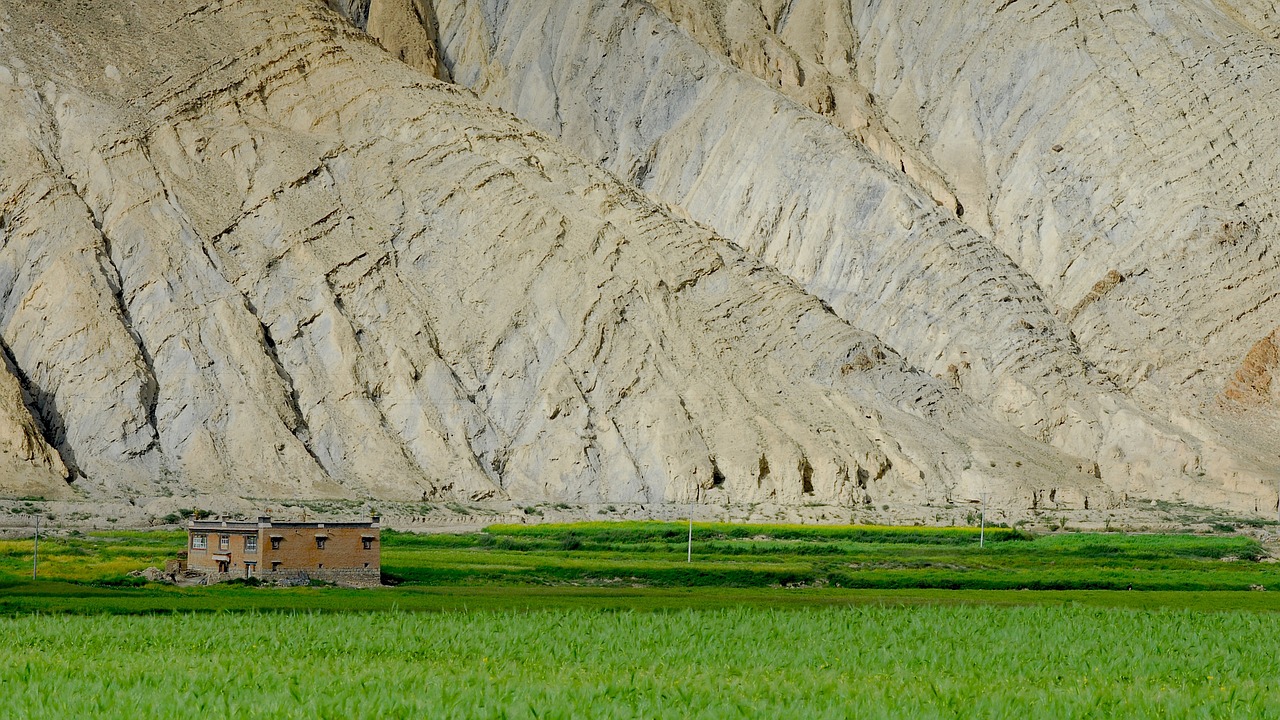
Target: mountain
{"type": "Point", "coordinates": [688, 251]}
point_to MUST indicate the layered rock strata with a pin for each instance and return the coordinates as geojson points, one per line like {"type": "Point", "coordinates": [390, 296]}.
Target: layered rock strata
{"type": "Point", "coordinates": [991, 288]}
{"type": "Point", "coordinates": [259, 256]}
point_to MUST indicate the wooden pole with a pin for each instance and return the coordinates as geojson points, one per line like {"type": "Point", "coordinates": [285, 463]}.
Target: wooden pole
{"type": "Point", "coordinates": [982, 533]}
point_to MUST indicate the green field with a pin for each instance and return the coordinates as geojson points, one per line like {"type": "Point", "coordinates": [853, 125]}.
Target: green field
{"type": "Point", "coordinates": [610, 620]}
{"type": "Point", "coordinates": [653, 555]}
{"type": "Point", "coordinates": [862, 662]}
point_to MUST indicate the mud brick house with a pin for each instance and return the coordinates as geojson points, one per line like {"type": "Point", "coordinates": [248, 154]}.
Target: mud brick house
{"type": "Point", "coordinates": [335, 551]}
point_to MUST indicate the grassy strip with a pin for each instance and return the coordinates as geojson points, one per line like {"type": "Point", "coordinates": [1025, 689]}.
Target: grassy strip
{"type": "Point", "coordinates": [647, 554]}
{"type": "Point", "coordinates": [641, 531]}
{"type": "Point", "coordinates": [863, 661]}
{"type": "Point", "coordinates": [25, 597]}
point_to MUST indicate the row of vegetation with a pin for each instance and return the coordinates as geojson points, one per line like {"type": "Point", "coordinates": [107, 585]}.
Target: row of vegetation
{"type": "Point", "coordinates": [646, 554]}
{"type": "Point", "coordinates": [754, 626]}
{"type": "Point", "coordinates": [650, 554]}
{"type": "Point", "coordinates": [865, 662]}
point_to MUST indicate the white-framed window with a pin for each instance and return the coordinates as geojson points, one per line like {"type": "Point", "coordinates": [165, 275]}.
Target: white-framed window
{"type": "Point", "coordinates": [224, 542]}
{"type": "Point", "coordinates": [199, 542]}
{"type": "Point", "coordinates": [251, 543]}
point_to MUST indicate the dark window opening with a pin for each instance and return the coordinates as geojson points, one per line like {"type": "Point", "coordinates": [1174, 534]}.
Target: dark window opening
{"type": "Point", "coordinates": [320, 540]}
{"type": "Point", "coordinates": [275, 543]}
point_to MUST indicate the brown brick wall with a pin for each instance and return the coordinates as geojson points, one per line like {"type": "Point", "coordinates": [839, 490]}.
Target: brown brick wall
{"type": "Point", "coordinates": [343, 551]}
{"type": "Point", "coordinates": [343, 548]}
{"type": "Point", "coordinates": [204, 560]}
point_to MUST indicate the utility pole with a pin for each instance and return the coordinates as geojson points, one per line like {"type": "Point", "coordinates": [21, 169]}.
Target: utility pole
{"type": "Point", "coordinates": [982, 532]}
{"type": "Point", "coordinates": [690, 558]}
{"type": "Point", "coordinates": [35, 552]}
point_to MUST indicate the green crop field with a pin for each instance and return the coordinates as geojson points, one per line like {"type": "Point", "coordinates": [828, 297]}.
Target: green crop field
{"type": "Point", "coordinates": [650, 554]}
{"type": "Point", "coordinates": [612, 620]}
{"type": "Point", "coordinates": [654, 555]}
{"type": "Point", "coordinates": [864, 662]}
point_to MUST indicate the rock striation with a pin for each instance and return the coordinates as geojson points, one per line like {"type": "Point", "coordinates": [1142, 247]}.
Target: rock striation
{"type": "Point", "coordinates": [833, 143]}
{"type": "Point", "coordinates": [261, 257]}
{"type": "Point", "coordinates": [691, 251]}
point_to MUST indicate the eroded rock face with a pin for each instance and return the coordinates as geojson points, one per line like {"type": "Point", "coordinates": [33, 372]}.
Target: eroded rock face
{"type": "Point", "coordinates": [406, 28]}
{"type": "Point", "coordinates": [1257, 381]}
{"type": "Point", "coordinates": [1104, 147]}
{"type": "Point", "coordinates": [261, 257]}
{"type": "Point", "coordinates": [957, 223]}
{"type": "Point", "coordinates": [267, 254]}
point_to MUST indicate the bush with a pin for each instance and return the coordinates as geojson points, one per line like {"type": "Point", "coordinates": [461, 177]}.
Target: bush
{"type": "Point", "coordinates": [248, 582]}
{"type": "Point", "coordinates": [122, 581]}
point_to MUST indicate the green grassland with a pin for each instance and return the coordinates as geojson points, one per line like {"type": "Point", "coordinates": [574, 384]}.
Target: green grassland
{"type": "Point", "coordinates": [863, 661]}
{"type": "Point", "coordinates": [611, 620]}
{"type": "Point", "coordinates": [102, 558]}
{"type": "Point", "coordinates": [653, 555]}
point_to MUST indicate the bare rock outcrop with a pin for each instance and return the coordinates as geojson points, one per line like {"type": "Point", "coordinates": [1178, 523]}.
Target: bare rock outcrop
{"type": "Point", "coordinates": [830, 212]}
{"type": "Point", "coordinates": [406, 28]}
{"type": "Point", "coordinates": [1257, 381]}
{"type": "Point", "coordinates": [671, 252]}
{"type": "Point", "coordinates": [1101, 141]}
{"type": "Point", "coordinates": [260, 257]}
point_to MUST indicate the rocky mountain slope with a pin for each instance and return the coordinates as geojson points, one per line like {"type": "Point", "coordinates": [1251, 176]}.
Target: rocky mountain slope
{"type": "Point", "coordinates": [1077, 318]}
{"type": "Point", "coordinates": [592, 251]}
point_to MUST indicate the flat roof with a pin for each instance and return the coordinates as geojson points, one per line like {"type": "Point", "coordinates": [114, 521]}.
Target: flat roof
{"type": "Point", "coordinates": [250, 525]}
{"type": "Point", "coordinates": [320, 524]}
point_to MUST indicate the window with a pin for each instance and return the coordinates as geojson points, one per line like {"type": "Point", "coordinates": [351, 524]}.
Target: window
{"type": "Point", "coordinates": [320, 566]}
{"type": "Point", "coordinates": [275, 565]}
{"type": "Point", "coordinates": [199, 542]}
{"type": "Point", "coordinates": [320, 542]}
{"type": "Point", "coordinates": [251, 543]}
{"type": "Point", "coordinates": [224, 542]}
{"type": "Point", "coordinates": [368, 543]}
{"type": "Point", "coordinates": [250, 568]}
{"type": "Point", "coordinates": [275, 543]}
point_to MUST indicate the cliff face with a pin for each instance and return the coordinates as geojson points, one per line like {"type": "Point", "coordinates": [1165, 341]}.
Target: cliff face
{"type": "Point", "coordinates": [1071, 230]}
{"type": "Point", "coordinates": [260, 257]}
{"type": "Point", "coordinates": [683, 252]}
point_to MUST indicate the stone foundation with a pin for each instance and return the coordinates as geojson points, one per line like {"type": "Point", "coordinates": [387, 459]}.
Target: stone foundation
{"type": "Point", "coordinates": [356, 577]}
